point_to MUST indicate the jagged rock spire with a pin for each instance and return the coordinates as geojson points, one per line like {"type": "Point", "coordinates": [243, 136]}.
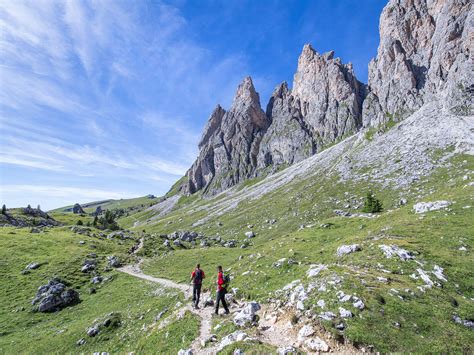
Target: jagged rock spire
{"type": "Point", "coordinates": [230, 143]}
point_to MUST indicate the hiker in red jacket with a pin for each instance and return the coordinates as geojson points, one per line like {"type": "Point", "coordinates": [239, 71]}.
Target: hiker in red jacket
{"type": "Point", "coordinates": [221, 290]}
{"type": "Point", "coordinates": [196, 278]}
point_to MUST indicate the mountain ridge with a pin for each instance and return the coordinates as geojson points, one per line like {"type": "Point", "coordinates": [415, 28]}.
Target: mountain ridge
{"type": "Point", "coordinates": [327, 102]}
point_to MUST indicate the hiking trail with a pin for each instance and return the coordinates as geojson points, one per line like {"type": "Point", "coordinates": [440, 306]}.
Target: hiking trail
{"type": "Point", "coordinates": [273, 329]}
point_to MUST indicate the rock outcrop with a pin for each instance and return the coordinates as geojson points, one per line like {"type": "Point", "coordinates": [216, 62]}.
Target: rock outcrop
{"type": "Point", "coordinates": [324, 105]}
{"type": "Point", "coordinates": [424, 52]}
{"type": "Point", "coordinates": [288, 139]}
{"type": "Point", "coordinates": [77, 209]}
{"type": "Point", "coordinates": [230, 143]}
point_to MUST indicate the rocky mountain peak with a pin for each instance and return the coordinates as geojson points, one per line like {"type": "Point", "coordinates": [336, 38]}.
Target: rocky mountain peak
{"type": "Point", "coordinates": [246, 93]}
{"type": "Point", "coordinates": [330, 95]}
{"type": "Point", "coordinates": [213, 124]}
{"type": "Point", "coordinates": [424, 55]}
{"type": "Point", "coordinates": [230, 143]}
{"type": "Point", "coordinates": [423, 52]}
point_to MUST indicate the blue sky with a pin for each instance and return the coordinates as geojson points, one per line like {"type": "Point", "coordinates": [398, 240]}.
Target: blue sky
{"type": "Point", "coordinates": [107, 99]}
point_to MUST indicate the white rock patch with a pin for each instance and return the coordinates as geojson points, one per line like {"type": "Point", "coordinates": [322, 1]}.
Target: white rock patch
{"type": "Point", "coordinates": [314, 270]}
{"type": "Point", "coordinates": [423, 207]}
{"type": "Point", "coordinates": [392, 250]}
{"type": "Point", "coordinates": [347, 249]}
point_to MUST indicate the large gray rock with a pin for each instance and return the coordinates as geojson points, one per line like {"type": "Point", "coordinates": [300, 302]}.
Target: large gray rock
{"type": "Point", "coordinates": [423, 52]}
{"type": "Point", "coordinates": [54, 296]}
{"type": "Point", "coordinates": [77, 209]}
{"type": "Point", "coordinates": [347, 249]}
{"type": "Point", "coordinates": [247, 315]}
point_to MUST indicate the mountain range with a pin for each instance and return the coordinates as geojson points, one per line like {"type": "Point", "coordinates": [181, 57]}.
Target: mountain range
{"type": "Point", "coordinates": [424, 55]}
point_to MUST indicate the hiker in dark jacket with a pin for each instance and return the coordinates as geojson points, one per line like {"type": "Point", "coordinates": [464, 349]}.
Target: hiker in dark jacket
{"type": "Point", "coordinates": [196, 278]}
{"type": "Point", "coordinates": [221, 290]}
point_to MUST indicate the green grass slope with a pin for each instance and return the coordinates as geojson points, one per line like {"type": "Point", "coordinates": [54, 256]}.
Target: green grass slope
{"type": "Point", "coordinates": [144, 201]}
{"type": "Point", "coordinates": [60, 254]}
{"type": "Point", "coordinates": [399, 315]}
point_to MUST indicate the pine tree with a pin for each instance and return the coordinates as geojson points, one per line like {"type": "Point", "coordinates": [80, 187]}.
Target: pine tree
{"type": "Point", "coordinates": [372, 204]}
{"type": "Point", "coordinates": [94, 223]}
{"type": "Point", "coordinates": [38, 208]}
{"type": "Point", "coordinates": [4, 209]}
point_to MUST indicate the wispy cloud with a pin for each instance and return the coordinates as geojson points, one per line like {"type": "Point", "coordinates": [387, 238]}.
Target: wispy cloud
{"type": "Point", "coordinates": [74, 193]}
{"type": "Point", "coordinates": [103, 90]}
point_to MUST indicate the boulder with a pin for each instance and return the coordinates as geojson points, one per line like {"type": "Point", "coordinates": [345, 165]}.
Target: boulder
{"type": "Point", "coordinates": [250, 234]}
{"type": "Point", "coordinates": [35, 230]}
{"type": "Point", "coordinates": [316, 344]}
{"type": "Point", "coordinates": [287, 350]}
{"type": "Point", "coordinates": [113, 261]}
{"type": "Point", "coordinates": [232, 338]}
{"type": "Point", "coordinates": [347, 249]}
{"type": "Point", "coordinates": [314, 270]}
{"type": "Point", "coordinates": [247, 315]}
{"type": "Point", "coordinates": [359, 304]}
{"type": "Point", "coordinates": [209, 302]}
{"type": "Point", "coordinates": [468, 323]}
{"type": "Point", "coordinates": [93, 331]}
{"type": "Point", "coordinates": [344, 313]}
{"type": "Point", "coordinates": [96, 280]}
{"type": "Point", "coordinates": [89, 265]}
{"type": "Point", "coordinates": [54, 296]}
{"type": "Point", "coordinates": [327, 315]}
{"type": "Point", "coordinates": [305, 332]}
{"type": "Point", "coordinates": [230, 244]}
{"type": "Point", "coordinates": [77, 209]}
{"type": "Point", "coordinates": [32, 266]}
{"type": "Point", "coordinates": [122, 235]}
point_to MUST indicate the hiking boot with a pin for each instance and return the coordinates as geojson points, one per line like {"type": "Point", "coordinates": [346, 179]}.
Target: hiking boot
{"type": "Point", "coordinates": [227, 312]}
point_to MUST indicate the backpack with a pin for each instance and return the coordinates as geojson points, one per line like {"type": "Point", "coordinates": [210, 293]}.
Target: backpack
{"type": "Point", "coordinates": [226, 281]}
{"type": "Point", "coordinates": [198, 276]}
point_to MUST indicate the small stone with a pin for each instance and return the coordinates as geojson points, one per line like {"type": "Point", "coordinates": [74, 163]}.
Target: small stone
{"type": "Point", "coordinates": [93, 331]}
{"type": "Point", "coordinates": [359, 304]}
{"type": "Point", "coordinates": [317, 344]}
{"type": "Point", "coordinates": [347, 249]}
{"type": "Point", "coordinates": [250, 234]}
{"type": "Point", "coordinates": [344, 313]}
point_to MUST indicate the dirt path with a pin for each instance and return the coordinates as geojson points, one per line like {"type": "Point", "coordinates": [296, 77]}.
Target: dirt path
{"type": "Point", "coordinates": [273, 325]}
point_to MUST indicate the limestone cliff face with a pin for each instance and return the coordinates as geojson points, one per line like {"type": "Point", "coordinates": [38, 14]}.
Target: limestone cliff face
{"type": "Point", "coordinates": [330, 95]}
{"type": "Point", "coordinates": [424, 54]}
{"type": "Point", "coordinates": [288, 139]}
{"type": "Point", "coordinates": [324, 105]}
{"type": "Point", "coordinates": [230, 143]}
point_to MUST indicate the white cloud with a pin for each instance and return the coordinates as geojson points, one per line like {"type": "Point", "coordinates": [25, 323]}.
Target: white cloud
{"type": "Point", "coordinates": [82, 83]}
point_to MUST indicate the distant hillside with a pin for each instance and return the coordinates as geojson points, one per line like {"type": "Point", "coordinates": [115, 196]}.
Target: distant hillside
{"type": "Point", "coordinates": [111, 204]}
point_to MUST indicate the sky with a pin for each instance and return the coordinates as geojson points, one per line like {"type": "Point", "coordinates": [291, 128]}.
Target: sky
{"type": "Point", "coordinates": [107, 99]}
